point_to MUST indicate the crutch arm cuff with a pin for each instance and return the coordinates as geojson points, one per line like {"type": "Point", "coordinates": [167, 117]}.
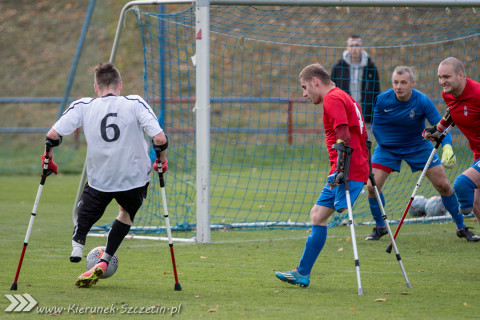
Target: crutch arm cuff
{"type": "Point", "coordinates": [159, 148]}
{"type": "Point", "coordinates": [53, 142]}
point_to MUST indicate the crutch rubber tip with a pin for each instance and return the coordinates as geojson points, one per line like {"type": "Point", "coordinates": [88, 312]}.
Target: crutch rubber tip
{"type": "Point", "coordinates": [178, 287]}
{"type": "Point", "coordinates": [13, 287]}
{"type": "Point", "coordinates": [389, 249]}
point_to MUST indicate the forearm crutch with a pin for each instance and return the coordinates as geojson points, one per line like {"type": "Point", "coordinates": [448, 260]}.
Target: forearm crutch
{"type": "Point", "coordinates": [348, 152]}
{"type": "Point", "coordinates": [167, 223]}
{"type": "Point", "coordinates": [419, 182]}
{"type": "Point", "coordinates": [384, 216]}
{"type": "Point", "coordinates": [45, 173]}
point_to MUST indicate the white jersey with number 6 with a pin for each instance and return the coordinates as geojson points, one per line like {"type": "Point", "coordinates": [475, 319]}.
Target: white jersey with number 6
{"type": "Point", "coordinates": [114, 127]}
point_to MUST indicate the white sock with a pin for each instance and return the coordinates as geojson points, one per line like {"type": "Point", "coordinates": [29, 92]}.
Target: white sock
{"type": "Point", "coordinates": [106, 257]}
{"type": "Point", "coordinates": [77, 249]}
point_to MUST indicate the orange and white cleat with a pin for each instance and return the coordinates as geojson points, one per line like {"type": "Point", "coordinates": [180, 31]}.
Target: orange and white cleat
{"type": "Point", "coordinates": [89, 278]}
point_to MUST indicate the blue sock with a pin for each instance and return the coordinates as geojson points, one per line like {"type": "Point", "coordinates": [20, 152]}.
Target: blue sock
{"type": "Point", "coordinates": [451, 204]}
{"type": "Point", "coordinates": [375, 209]}
{"type": "Point", "coordinates": [313, 246]}
{"type": "Point", "coordinates": [465, 191]}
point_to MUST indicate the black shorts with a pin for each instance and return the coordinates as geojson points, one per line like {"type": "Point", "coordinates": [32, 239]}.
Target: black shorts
{"type": "Point", "coordinates": [94, 202]}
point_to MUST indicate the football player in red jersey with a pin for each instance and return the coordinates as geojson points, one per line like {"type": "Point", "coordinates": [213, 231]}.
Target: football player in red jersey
{"type": "Point", "coordinates": [462, 96]}
{"type": "Point", "coordinates": [344, 126]}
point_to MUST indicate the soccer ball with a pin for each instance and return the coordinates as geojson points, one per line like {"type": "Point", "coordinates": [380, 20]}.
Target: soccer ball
{"type": "Point", "coordinates": [93, 258]}
{"type": "Point", "coordinates": [434, 207]}
{"type": "Point", "coordinates": [417, 208]}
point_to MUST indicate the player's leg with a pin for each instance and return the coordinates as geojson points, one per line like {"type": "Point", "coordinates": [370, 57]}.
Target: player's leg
{"type": "Point", "coordinates": [91, 207]}
{"type": "Point", "coordinates": [383, 163]}
{"type": "Point", "coordinates": [380, 177]}
{"type": "Point", "coordinates": [329, 199]}
{"type": "Point", "coordinates": [319, 215]}
{"type": "Point", "coordinates": [440, 182]}
{"type": "Point", "coordinates": [118, 231]}
{"type": "Point", "coordinates": [129, 202]}
{"type": "Point", "coordinates": [466, 189]}
{"type": "Point", "coordinates": [120, 228]}
{"type": "Point", "coordinates": [317, 238]}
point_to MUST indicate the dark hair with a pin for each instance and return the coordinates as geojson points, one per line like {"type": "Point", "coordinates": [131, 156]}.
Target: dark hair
{"type": "Point", "coordinates": [107, 75]}
{"type": "Point", "coordinates": [315, 70]}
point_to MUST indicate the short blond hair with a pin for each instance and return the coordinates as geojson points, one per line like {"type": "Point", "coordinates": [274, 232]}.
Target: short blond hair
{"type": "Point", "coordinates": [315, 70]}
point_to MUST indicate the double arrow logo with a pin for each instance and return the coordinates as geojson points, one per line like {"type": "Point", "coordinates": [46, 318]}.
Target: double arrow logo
{"type": "Point", "coordinates": [20, 302]}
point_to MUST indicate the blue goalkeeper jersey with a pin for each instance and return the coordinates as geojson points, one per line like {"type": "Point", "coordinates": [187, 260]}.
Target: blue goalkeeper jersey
{"type": "Point", "coordinates": [399, 124]}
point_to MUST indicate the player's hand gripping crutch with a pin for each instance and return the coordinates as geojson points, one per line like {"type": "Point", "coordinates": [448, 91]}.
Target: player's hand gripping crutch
{"type": "Point", "coordinates": [384, 216]}
{"type": "Point", "coordinates": [438, 141]}
{"type": "Point", "coordinates": [46, 172]}
{"type": "Point", "coordinates": [344, 156]}
{"type": "Point", "coordinates": [167, 220]}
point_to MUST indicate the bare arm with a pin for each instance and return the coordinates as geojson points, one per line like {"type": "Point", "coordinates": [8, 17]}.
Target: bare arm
{"type": "Point", "coordinates": [52, 134]}
{"type": "Point", "coordinates": [159, 140]}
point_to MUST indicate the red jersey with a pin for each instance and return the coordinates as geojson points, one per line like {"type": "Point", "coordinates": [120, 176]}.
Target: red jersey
{"type": "Point", "coordinates": [340, 109]}
{"type": "Point", "coordinates": [465, 113]}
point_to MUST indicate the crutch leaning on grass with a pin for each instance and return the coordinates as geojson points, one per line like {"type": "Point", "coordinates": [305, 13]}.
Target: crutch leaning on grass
{"type": "Point", "coordinates": [343, 164]}
{"type": "Point", "coordinates": [158, 167]}
{"type": "Point", "coordinates": [384, 216]}
{"type": "Point", "coordinates": [49, 167]}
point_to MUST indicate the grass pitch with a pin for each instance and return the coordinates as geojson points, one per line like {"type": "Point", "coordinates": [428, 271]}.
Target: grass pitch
{"type": "Point", "coordinates": [232, 277]}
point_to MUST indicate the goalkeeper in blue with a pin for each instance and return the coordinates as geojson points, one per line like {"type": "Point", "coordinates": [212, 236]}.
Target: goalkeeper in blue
{"type": "Point", "coordinates": [398, 122]}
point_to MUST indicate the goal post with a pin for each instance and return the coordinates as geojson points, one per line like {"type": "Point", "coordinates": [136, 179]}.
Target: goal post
{"type": "Point", "coordinates": [202, 107]}
{"type": "Point", "coordinates": [247, 150]}
{"type": "Point", "coordinates": [203, 77]}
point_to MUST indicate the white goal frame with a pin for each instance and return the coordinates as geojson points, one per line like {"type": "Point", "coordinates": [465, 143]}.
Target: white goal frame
{"type": "Point", "coordinates": [203, 80]}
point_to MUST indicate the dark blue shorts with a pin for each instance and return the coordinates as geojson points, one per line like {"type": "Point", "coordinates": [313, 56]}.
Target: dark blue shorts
{"type": "Point", "coordinates": [390, 160]}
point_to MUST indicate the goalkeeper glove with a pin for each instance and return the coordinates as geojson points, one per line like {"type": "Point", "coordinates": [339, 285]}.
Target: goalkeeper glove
{"type": "Point", "coordinates": [52, 166]}
{"type": "Point", "coordinates": [448, 157]}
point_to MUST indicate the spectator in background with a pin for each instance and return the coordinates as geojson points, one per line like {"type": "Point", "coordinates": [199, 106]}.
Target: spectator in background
{"type": "Point", "coordinates": [356, 74]}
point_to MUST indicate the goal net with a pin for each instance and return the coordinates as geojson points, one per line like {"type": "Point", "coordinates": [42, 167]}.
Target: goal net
{"type": "Point", "coordinates": [268, 156]}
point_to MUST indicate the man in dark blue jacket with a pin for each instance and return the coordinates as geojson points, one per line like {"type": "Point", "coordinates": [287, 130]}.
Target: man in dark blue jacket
{"type": "Point", "coordinates": [356, 74]}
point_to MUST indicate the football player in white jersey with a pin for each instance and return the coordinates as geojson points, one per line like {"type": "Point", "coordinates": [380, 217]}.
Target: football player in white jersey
{"type": "Point", "coordinates": [118, 165]}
